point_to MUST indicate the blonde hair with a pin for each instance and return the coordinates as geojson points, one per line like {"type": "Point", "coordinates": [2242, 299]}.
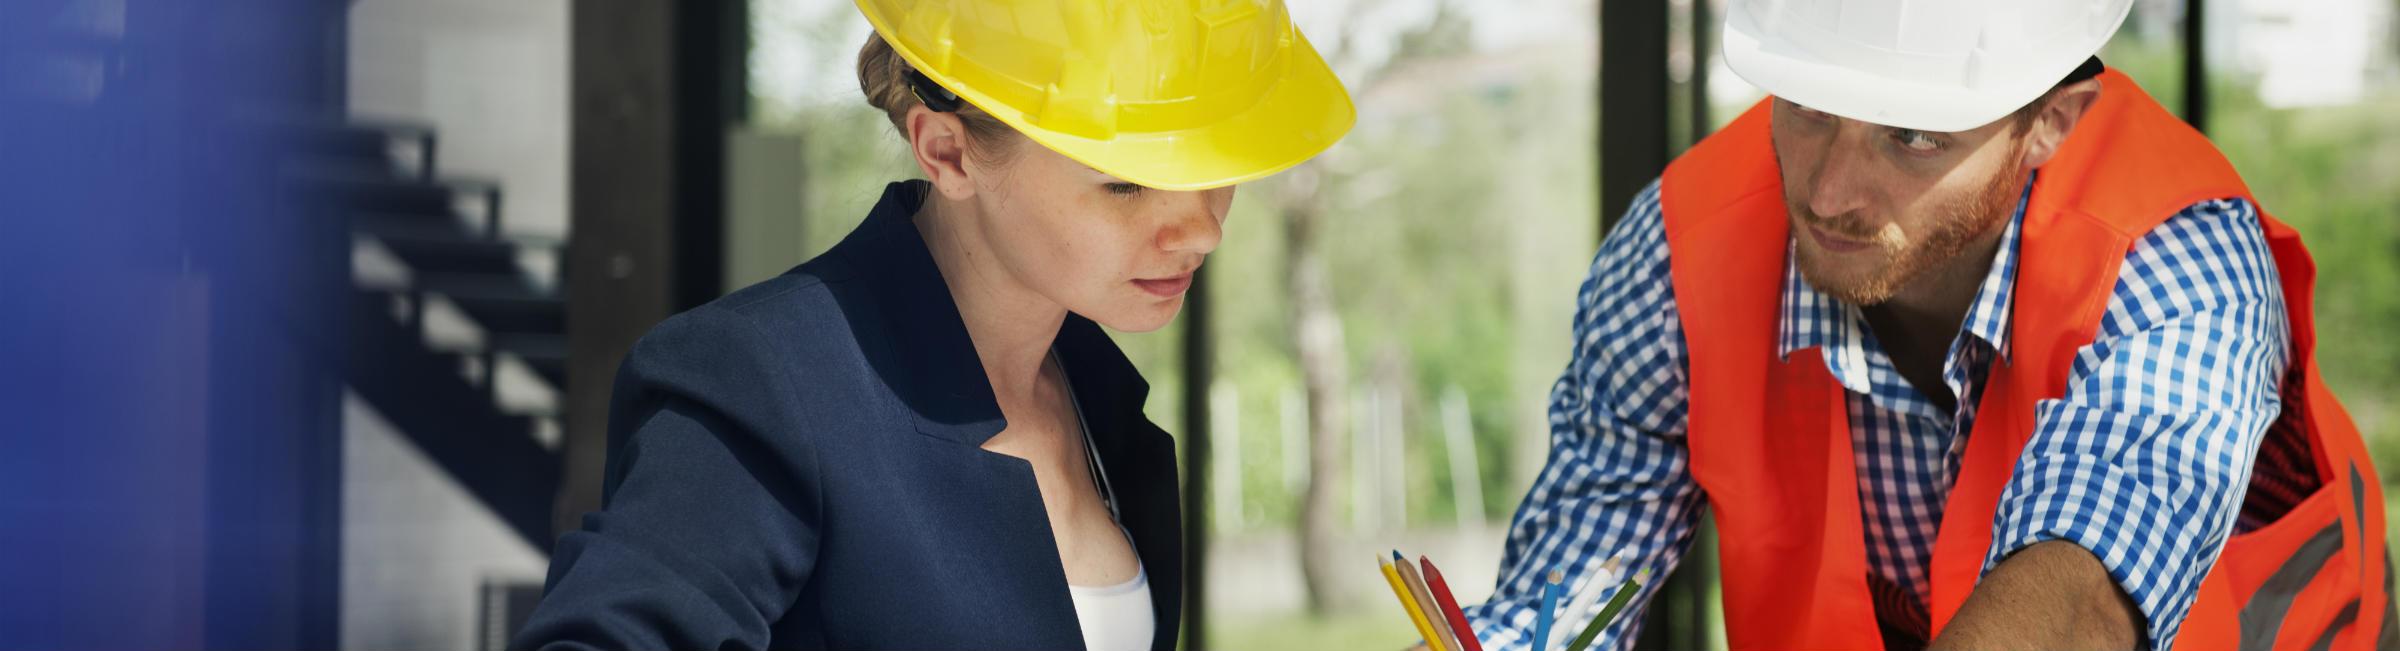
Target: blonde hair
{"type": "Point", "coordinates": [883, 76]}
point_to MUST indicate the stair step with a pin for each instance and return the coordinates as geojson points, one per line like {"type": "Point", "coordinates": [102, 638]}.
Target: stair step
{"type": "Point", "coordinates": [532, 347]}
{"type": "Point", "coordinates": [446, 246]}
{"type": "Point", "coordinates": [540, 399]}
{"type": "Point", "coordinates": [458, 255]}
{"type": "Point", "coordinates": [369, 190]}
{"type": "Point", "coordinates": [553, 371]}
{"type": "Point", "coordinates": [371, 144]}
{"type": "Point", "coordinates": [546, 354]}
{"type": "Point", "coordinates": [441, 227]}
{"type": "Point", "coordinates": [390, 147]}
{"type": "Point", "coordinates": [501, 304]}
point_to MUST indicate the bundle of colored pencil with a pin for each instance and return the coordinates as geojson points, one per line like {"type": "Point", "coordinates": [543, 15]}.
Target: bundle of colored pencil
{"type": "Point", "coordinates": [1429, 602]}
{"type": "Point", "coordinates": [1435, 612]}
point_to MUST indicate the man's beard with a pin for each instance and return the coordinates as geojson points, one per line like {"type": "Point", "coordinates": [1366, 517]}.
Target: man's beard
{"type": "Point", "coordinates": [1962, 221]}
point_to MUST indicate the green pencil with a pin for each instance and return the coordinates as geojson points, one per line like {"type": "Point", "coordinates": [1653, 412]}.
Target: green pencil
{"type": "Point", "coordinates": [1608, 613]}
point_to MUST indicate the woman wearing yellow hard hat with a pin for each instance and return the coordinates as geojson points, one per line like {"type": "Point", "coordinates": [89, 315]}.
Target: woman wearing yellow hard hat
{"type": "Point", "coordinates": [922, 439]}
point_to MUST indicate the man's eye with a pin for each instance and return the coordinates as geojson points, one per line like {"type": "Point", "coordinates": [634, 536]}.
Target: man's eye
{"type": "Point", "coordinates": [1123, 188]}
{"type": "Point", "coordinates": [1917, 141]}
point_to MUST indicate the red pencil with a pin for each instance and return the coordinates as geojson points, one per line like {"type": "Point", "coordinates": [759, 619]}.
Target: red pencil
{"type": "Point", "coordinates": [1441, 595]}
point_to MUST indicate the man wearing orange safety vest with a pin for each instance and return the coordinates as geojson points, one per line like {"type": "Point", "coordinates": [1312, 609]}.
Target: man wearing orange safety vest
{"type": "Point", "coordinates": [1965, 343]}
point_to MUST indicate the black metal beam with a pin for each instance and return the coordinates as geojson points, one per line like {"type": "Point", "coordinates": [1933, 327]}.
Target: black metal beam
{"type": "Point", "coordinates": [655, 86]}
{"type": "Point", "coordinates": [712, 72]}
{"type": "Point", "coordinates": [622, 185]}
{"type": "Point", "coordinates": [1199, 355]}
{"type": "Point", "coordinates": [1633, 101]}
{"type": "Point", "coordinates": [1704, 32]}
{"type": "Point", "coordinates": [1636, 118]}
{"type": "Point", "coordinates": [2195, 64]}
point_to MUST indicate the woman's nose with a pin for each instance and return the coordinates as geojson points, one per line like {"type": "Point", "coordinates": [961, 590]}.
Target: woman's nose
{"type": "Point", "coordinates": [1197, 227]}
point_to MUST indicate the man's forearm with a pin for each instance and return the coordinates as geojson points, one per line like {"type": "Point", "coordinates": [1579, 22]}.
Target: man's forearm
{"type": "Point", "coordinates": [2052, 595]}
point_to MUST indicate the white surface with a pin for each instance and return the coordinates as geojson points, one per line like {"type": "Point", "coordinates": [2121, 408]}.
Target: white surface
{"type": "Point", "coordinates": [490, 77]}
{"type": "Point", "coordinates": [2314, 53]}
{"type": "Point", "coordinates": [416, 548]}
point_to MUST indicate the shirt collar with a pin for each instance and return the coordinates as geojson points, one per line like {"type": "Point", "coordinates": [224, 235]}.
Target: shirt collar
{"type": "Point", "coordinates": [1811, 318]}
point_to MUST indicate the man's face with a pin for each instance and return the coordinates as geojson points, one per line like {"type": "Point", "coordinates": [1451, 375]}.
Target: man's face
{"type": "Point", "coordinates": [1873, 208]}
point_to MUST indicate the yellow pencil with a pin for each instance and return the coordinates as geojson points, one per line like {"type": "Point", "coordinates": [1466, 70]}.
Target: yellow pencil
{"type": "Point", "coordinates": [1416, 615]}
{"type": "Point", "coordinates": [1424, 598]}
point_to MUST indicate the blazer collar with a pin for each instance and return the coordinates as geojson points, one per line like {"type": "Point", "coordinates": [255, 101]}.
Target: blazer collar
{"type": "Point", "coordinates": [934, 367]}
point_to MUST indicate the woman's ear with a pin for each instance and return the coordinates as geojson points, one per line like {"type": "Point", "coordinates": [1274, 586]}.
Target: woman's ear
{"type": "Point", "coordinates": [2049, 128]}
{"type": "Point", "coordinates": [938, 141]}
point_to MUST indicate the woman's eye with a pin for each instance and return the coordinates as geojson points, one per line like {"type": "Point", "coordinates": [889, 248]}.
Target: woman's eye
{"type": "Point", "coordinates": [1123, 188]}
{"type": "Point", "coordinates": [1916, 141]}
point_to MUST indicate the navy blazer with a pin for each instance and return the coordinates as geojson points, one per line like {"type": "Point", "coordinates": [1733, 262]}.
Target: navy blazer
{"type": "Point", "coordinates": [797, 465]}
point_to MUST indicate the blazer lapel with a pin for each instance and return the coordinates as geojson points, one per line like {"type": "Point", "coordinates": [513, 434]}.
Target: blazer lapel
{"type": "Point", "coordinates": [1140, 461]}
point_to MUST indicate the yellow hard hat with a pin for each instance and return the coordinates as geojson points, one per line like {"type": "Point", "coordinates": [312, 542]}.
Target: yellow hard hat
{"type": "Point", "coordinates": [1169, 94]}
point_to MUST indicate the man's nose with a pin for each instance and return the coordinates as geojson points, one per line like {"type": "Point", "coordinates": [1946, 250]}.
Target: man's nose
{"type": "Point", "coordinates": [1839, 187]}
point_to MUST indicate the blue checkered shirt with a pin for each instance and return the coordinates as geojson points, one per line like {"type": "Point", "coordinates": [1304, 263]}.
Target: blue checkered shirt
{"type": "Point", "coordinates": [2144, 461]}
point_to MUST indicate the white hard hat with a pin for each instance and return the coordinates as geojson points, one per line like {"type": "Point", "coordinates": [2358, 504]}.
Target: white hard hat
{"type": "Point", "coordinates": [1932, 65]}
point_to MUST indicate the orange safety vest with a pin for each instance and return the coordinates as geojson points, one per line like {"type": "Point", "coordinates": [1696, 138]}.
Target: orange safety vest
{"type": "Point", "coordinates": [1770, 437]}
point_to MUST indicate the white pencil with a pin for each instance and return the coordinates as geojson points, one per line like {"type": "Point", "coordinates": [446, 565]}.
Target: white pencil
{"type": "Point", "coordinates": [1588, 592]}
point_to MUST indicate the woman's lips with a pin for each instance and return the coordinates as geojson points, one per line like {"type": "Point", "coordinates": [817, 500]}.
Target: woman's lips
{"type": "Point", "coordinates": [1834, 243]}
{"type": "Point", "coordinates": [1169, 287]}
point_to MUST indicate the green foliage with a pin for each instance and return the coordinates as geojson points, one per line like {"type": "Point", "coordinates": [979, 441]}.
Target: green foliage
{"type": "Point", "coordinates": [2328, 172]}
{"type": "Point", "coordinates": [1460, 213]}
{"type": "Point", "coordinates": [1376, 628]}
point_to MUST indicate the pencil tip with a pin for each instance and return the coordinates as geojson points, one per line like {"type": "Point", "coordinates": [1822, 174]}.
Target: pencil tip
{"type": "Point", "coordinates": [1557, 576]}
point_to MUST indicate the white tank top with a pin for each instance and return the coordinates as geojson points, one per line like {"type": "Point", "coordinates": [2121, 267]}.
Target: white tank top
{"type": "Point", "coordinates": [1114, 617]}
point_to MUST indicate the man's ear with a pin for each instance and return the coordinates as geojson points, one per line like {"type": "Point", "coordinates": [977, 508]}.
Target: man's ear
{"type": "Point", "coordinates": [938, 141]}
{"type": "Point", "coordinates": [2049, 128]}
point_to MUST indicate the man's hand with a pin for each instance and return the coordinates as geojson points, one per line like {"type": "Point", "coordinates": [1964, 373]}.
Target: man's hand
{"type": "Point", "coordinates": [2052, 595]}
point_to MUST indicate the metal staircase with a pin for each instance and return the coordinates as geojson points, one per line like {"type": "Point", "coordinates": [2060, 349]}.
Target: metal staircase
{"type": "Point", "coordinates": [443, 302]}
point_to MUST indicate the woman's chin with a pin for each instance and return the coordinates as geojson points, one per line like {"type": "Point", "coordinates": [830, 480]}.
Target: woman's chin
{"type": "Point", "coordinates": [1139, 318]}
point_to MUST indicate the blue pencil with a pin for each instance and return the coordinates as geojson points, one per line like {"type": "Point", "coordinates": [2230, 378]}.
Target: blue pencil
{"type": "Point", "coordinates": [1541, 618]}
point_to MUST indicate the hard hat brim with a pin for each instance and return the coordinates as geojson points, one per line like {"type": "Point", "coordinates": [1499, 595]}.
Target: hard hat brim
{"type": "Point", "coordinates": [1813, 82]}
{"type": "Point", "coordinates": [1305, 112]}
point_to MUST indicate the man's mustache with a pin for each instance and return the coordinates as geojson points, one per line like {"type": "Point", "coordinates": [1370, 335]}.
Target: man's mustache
{"type": "Point", "coordinates": [1849, 227]}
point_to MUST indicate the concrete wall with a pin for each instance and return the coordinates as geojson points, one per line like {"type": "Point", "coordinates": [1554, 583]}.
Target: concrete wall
{"type": "Point", "coordinates": [491, 77]}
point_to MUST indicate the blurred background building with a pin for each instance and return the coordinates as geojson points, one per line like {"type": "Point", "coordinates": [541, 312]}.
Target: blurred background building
{"type": "Point", "coordinates": [309, 308]}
